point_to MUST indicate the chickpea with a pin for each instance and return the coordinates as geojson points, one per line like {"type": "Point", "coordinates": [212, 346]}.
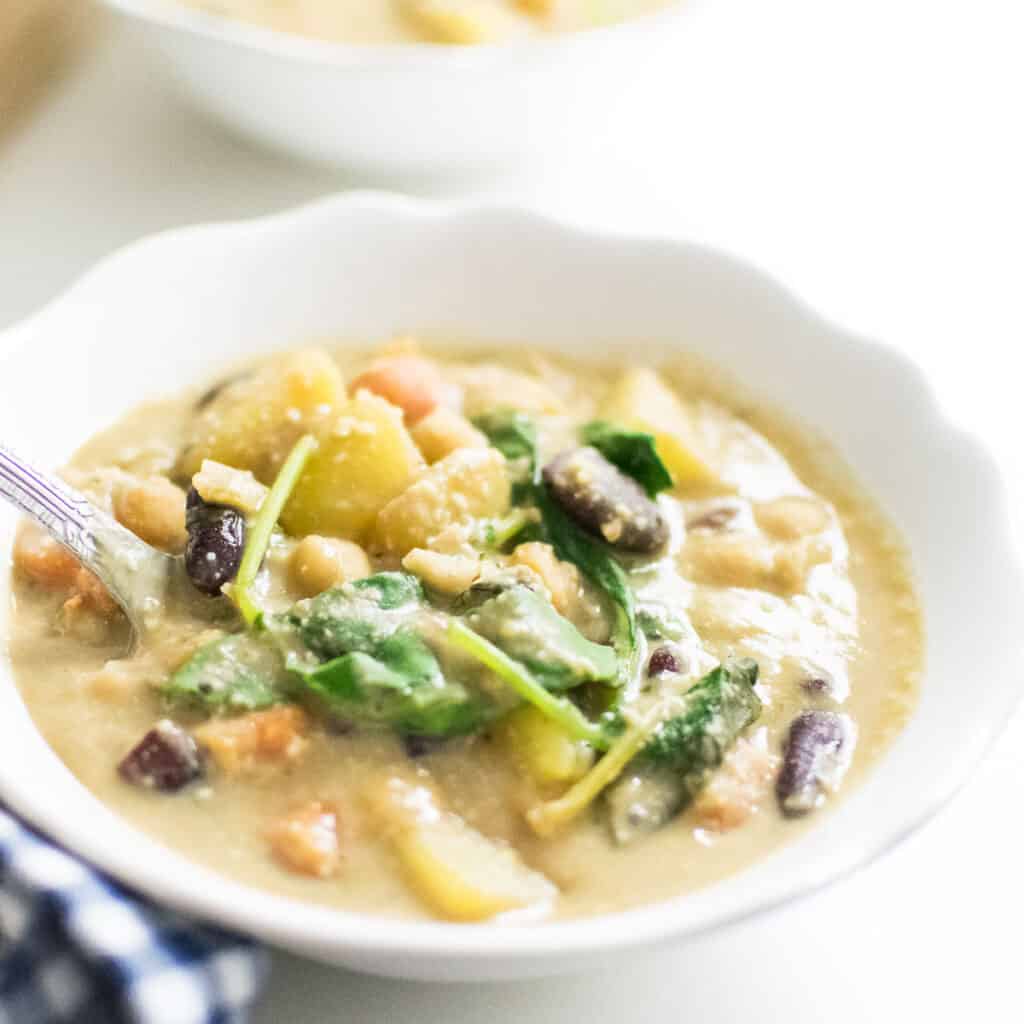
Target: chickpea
{"type": "Point", "coordinates": [448, 574]}
{"type": "Point", "coordinates": [153, 509]}
{"type": "Point", "coordinates": [319, 563]}
{"type": "Point", "coordinates": [441, 432]}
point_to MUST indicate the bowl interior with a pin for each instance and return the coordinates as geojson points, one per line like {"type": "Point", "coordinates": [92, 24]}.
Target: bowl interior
{"type": "Point", "coordinates": [164, 314]}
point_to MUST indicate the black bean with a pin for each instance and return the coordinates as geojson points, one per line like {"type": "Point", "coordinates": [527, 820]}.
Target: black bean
{"type": "Point", "coordinates": [606, 502]}
{"type": "Point", "coordinates": [662, 660]}
{"type": "Point", "coordinates": [216, 538]}
{"type": "Point", "coordinates": [166, 759]}
{"type": "Point", "coordinates": [818, 684]}
{"type": "Point", "coordinates": [818, 752]}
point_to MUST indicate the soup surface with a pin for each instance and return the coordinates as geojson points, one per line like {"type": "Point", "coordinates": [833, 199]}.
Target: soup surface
{"type": "Point", "coordinates": [457, 22]}
{"type": "Point", "coordinates": [508, 638]}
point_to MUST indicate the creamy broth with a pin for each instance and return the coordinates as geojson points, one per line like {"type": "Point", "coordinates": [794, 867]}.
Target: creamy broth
{"type": "Point", "coordinates": [436, 21]}
{"type": "Point", "coordinates": [774, 554]}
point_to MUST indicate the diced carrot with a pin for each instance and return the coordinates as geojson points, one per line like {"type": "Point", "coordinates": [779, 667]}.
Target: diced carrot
{"type": "Point", "coordinates": [272, 737]}
{"type": "Point", "coordinates": [306, 840]}
{"type": "Point", "coordinates": [412, 383]}
{"type": "Point", "coordinates": [41, 559]}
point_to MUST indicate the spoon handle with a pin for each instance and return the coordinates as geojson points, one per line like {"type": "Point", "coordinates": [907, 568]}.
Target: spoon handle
{"type": "Point", "coordinates": [68, 515]}
{"type": "Point", "coordinates": [128, 567]}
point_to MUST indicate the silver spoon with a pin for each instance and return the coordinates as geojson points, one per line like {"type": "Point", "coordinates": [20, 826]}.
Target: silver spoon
{"type": "Point", "coordinates": [138, 576]}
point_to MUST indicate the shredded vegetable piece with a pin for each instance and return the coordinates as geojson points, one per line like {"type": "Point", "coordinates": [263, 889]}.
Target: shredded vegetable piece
{"type": "Point", "coordinates": [263, 527]}
{"type": "Point", "coordinates": [546, 818]}
{"type": "Point", "coordinates": [558, 709]}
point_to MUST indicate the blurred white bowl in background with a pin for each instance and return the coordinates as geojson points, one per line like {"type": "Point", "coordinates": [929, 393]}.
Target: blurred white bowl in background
{"type": "Point", "coordinates": [407, 110]}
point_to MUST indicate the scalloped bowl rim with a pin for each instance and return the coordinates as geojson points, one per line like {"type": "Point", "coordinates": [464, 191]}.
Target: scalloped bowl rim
{"type": "Point", "coordinates": [379, 944]}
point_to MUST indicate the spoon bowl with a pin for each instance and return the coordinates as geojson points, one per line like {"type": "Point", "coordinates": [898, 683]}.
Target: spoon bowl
{"type": "Point", "coordinates": [139, 577]}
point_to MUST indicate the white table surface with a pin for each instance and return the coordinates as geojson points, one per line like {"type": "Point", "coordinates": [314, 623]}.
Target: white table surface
{"type": "Point", "coordinates": [868, 154]}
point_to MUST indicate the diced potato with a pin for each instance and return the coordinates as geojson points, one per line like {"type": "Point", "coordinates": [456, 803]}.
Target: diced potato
{"type": "Point", "coordinates": [643, 401]}
{"type": "Point", "coordinates": [489, 387]}
{"type": "Point", "coordinates": [460, 22]}
{"type": "Point", "coordinates": [747, 560]}
{"type": "Point", "coordinates": [41, 559]}
{"type": "Point", "coordinates": [562, 579]}
{"type": "Point", "coordinates": [411, 382]}
{"type": "Point", "coordinates": [792, 517]}
{"type": "Point", "coordinates": [464, 876]}
{"type": "Point", "coordinates": [795, 559]}
{"type": "Point", "coordinates": [471, 483]}
{"type": "Point", "coordinates": [272, 737]}
{"type": "Point", "coordinates": [153, 509]}
{"type": "Point", "coordinates": [443, 431]}
{"type": "Point", "coordinates": [730, 560]}
{"type": "Point", "coordinates": [306, 840]}
{"type": "Point", "coordinates": [537, 7]}
{"type": "Point", "coordinates": [736, 790]}
{"type": "Point", "coordinates": [542, 747]}
{"type": "Point", "coordinates": [396, 803]}
{"type": "Point", "coordinates": [365, 460]}
{"type": "Point", "coordinates": [254, 422]}
{"type": "Point", "coordinates": [319, 563]}
{"type": "Point", "coordinates": [447, 574]}
{"type": "Point", "coordinates": [461, 874]}
{"type": "Point", "coordinates": [224, 485]}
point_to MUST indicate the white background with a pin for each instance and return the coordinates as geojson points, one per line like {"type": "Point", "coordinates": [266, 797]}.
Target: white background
{"type": "Point", "coordinates": [867, 153]}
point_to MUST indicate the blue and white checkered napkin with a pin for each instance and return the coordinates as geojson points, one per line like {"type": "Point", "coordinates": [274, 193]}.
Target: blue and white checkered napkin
{"type": "Point", "coordinates": [76, 947]}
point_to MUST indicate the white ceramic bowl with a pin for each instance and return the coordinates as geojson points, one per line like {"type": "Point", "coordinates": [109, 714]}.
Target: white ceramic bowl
{"type": "Point", "coordinates": [405, 111]}
{"type": "Point", "coordinates": [163, 314]}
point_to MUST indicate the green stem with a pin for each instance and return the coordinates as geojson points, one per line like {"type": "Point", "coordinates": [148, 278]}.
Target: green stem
{"type": "Point", "coordinates": [263, 527]}
{"type": "Point", "coordinates": [546, 818]}
{"type": "Point", "coordinates": [558, 709]}
{"type": "Point", "coordinates": [507, 527]}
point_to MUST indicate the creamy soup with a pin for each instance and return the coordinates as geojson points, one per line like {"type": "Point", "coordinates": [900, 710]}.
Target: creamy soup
{"type": "Point", "coordinates": [528, 639]}
{"type": "Point", "coordinates": [434, 21]}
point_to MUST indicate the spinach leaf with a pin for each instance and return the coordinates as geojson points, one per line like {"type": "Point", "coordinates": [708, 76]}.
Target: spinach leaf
{"type": "Point", "coordinates": [399, 685]}
{"type": "Point", "coordinates": [515, 435]}
{"type": "Point", "coordinates": [355, 616]}
{"type": "Point", "coordinates": [677, 760]}
{"type": "Point", "coordinates": [390, 589]}
{"type": "Point", "coordinates": [632, 451]}
{"type": "Point", "coordinates": [594, 560]}
{"type": "Point", "coordinates": [512, 432]}
{"type": "Point", "coordinates": [658, 623]}
{"type": "Point", "coordinates": [241, 672]}
{"type": "Point", "coordinates": [659, 765]}
{"type": "Point", "coordinates": [527, 628]}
